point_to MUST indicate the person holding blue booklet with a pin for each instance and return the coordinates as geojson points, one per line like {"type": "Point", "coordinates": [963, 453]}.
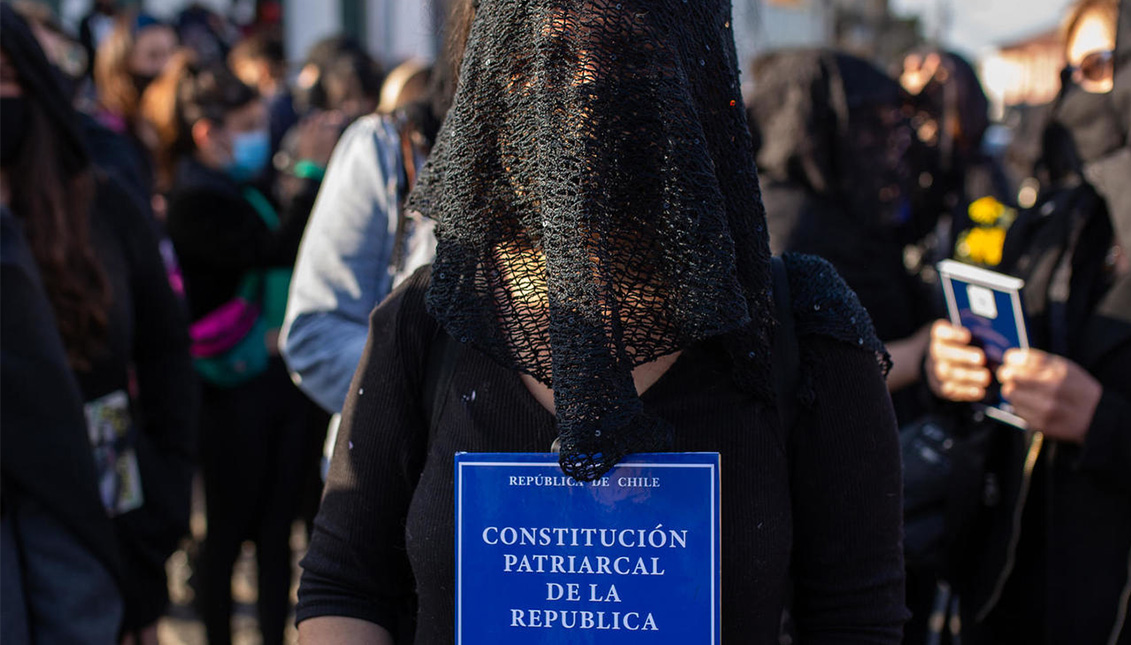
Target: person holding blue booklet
{"type": "Point", "coordinates": [1042, 554]}
{"type": "Point", "coordinates": [603, 285]}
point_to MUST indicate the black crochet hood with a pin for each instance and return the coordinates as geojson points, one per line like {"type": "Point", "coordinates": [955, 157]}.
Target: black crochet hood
{"type": "Point", "coordinates": [598, 207]}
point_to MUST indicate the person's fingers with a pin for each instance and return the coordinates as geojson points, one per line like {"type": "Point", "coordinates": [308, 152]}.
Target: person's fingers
{"type": "Point", "coordinates": [979, 377]}
{"type": "Point", "coordinates": [1034, 372]}
{"type": "Point", "coordinates": [955, 391]}
{"type": "Point", "coordinates": [1033, 406]}
{"type": "Point", "coordinates": [942, 330]}
{"type": "Point", "coordinates": [960, 354]}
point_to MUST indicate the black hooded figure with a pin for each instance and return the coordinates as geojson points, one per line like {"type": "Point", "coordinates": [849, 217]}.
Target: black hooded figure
{"type": "Point", "coordinates": [603, 267]}
{"type": "Point", "coordinates": [836, 157]}
{"type": "Point", "coordinates": [1042, 553]}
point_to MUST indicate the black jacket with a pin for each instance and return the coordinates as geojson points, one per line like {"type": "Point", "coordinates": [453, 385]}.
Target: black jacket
{"type": "Point", "coordinates": [46, 454]}
{"type": "Point", "coordinates": [219, 236]}
{"type": "Point", "coordinates": [145, 354]}
{"type": "Point", "coordinates": [1045, 559]}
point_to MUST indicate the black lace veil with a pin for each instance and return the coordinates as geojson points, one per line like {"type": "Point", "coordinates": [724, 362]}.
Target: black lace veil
{"type": "Point", "coordinates": [598, 207]}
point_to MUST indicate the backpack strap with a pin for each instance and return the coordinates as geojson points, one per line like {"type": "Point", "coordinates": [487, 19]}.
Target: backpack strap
{"type": "Point", "coordinates": [787, 358]}
{"type": "Point", "coordinates": [262, 206]}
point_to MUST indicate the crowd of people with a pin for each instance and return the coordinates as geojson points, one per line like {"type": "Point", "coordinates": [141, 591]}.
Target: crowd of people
{"type": "Point", "coordinates": [571, 232]}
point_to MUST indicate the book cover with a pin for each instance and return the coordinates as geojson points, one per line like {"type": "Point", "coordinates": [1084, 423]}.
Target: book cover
{"type": "Point", "coordinates": [630, 558]}
{"type": "Point", "coordinates": [988, 304]}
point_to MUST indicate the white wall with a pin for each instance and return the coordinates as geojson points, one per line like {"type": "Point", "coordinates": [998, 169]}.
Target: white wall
{"type": "Point", "coordinates": [804, 23]}
{"type": "Point", "coordinates": [305, 22]}
{"type": "Point", "coordinates": [165, 9]}
{"type": "Point", "coordinates": [763, 25]}
{"type": "Point", "coordinates": [400, 29]}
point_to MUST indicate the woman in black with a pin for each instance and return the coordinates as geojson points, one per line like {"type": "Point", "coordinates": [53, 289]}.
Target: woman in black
{"type": "Point", "coordinates": [836, 157]}
{"type": "Point", "coordinates": [122, 327]}
{"type": "Point", "coordinates": [1044, 555]}
{"type": "Point", "coordinates": [258, 432]}
{"type": "Point", "coordinates": [601, 234]}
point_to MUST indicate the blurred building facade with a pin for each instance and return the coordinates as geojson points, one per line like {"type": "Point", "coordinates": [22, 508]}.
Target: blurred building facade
{"type": "Point", "coordinates": [398, 29]}
{"type": "Point", "coordinates": [866, 28]}
{"type": "Point", "coordinates": [1024, 72]}
{"type": "Point", "coordinates": [395, 30]}
{"type": "Point", "coordinates": [392, 30]}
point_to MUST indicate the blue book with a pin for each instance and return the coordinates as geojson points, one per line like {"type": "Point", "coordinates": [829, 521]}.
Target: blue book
{"type": "Point", "coordinates": [630, 558]}
{"type": "Point", "coordinates": [989, 305]}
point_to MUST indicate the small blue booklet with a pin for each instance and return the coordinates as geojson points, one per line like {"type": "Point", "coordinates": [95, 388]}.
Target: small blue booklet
{"type": "Point", "coordinates": [989, 305]}
{"type": "Point", "coordinates": [630, 558]}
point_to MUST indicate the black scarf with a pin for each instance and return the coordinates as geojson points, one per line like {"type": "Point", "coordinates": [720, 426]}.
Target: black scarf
{"type": "Point", "coordinates": [598, 207]}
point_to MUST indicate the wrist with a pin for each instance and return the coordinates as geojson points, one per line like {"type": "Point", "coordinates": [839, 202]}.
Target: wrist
{"type": "Point", "coordinates": [308, 169]}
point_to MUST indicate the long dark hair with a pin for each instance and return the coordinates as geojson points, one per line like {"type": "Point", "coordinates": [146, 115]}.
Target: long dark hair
{"type": "Point", "coordinates": [52, 187]}
{"type": "Point", "coordinates": [445, 76]}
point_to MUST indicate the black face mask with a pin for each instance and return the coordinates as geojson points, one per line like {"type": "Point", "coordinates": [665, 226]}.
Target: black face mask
{"type": "Point", "coordinates": [13, 119]}
{"type": "Point", "coordinates": [1092, 120]}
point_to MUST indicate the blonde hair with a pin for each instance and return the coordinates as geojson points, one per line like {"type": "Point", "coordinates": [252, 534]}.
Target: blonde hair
{"type": "Point", "coordinates": [116, 90]}
{"type": "Point", "coordinates": [158, 108]}
{"type": "Point", "coordinates": [406, 83]}
{"type": "Point", "coordinates": [1108, 9]}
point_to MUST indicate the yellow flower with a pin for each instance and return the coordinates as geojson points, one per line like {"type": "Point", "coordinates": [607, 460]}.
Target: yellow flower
{"type": "Point", "coordinates": [981, 245]}
{"type": "Point", "coordinates": [986, 211]}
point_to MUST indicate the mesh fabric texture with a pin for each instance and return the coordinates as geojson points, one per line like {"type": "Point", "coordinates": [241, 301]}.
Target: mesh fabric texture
{"type": "Point", "coordinates": [598, 207]}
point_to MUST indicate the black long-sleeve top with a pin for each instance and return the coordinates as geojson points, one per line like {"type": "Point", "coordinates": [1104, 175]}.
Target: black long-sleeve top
{"type": "Point", "coordinates": [145, 354]}
{"type": "Point", "coordinates": [820, 505]}
{"type": "Point", "coordinates": [219, 236]}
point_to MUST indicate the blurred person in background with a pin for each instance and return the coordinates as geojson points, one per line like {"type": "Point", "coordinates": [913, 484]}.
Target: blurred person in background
{"type": "Point", "coordinates": [127, 61]}
{"type": "Point", "coordinates": [63, 52]}
{"type": "Point", "coordinates": [408, 83]}
{"type": "Point", "coordinates": [964, 202]}
{"type": "Point", "coordinates": [59, 563]}
{"type": "Point", "coordinates": [209, 35]}
{"type": "Point", "coordinates": [260, 61]}
{"type": "Point", "coordinates": [357, 77]}
{"type": "Point", "coordinates": [1044, 555]}
{"type": "Point", "coordinates": [237, 248]}
{"type": "Point", "coordinates": [95, 27]}
{"type": "Point", "coordinates": [352, 82]}
{"type": "Point", "coordinates": [121, 326]}
{"type": "Point", "coordinates": [60, 566]}
{"type": "Point", "coordinates": [113, 153]}
{"type": "Point", "coordinates": [835, 157]}
{"type": "Point", "coordinates": [108, 150]}
{"type": "Point", "coordinates": [339, 83]}
{"type": "Point", "coordinates": [360, 241]}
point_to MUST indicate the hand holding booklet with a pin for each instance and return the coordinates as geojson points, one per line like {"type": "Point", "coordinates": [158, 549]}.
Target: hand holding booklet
{"type": "Point", "coordinates": [988, 304]}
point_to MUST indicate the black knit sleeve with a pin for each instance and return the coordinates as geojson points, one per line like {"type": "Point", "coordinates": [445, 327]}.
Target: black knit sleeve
{"type": "Point", "coordinates": [846, 474]}
{"type": "Point", "coordinates": [357, 565]}
{"type": "Point", "coordinates": [847, 502]}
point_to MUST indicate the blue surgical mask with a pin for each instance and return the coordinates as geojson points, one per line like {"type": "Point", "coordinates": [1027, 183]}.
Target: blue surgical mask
{"type": "Point", "coordinates": [250, 153]}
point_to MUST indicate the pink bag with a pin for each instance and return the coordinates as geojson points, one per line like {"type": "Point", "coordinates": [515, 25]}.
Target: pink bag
{"type": "Point", "coordinates": [223, 328]}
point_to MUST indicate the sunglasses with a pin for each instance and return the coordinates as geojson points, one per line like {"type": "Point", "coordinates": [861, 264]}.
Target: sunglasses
{"type": "Point", "coordinates": [1096, 66]}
